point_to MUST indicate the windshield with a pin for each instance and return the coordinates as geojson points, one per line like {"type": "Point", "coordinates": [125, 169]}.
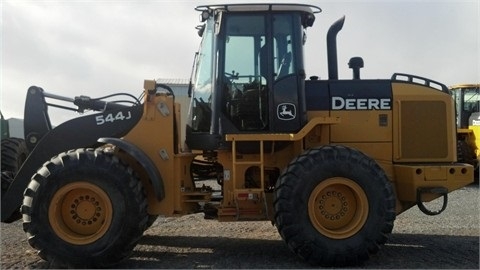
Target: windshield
{"type": "Point", "coordinates": [203, 76]}
{"type": "Point", "coordinates": [471, 99]}
{"type": "Point", "coordinates": [200, 109]}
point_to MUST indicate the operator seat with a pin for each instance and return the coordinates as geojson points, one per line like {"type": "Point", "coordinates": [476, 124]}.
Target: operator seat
{"type": "Point", "coordinates": [252, 109]}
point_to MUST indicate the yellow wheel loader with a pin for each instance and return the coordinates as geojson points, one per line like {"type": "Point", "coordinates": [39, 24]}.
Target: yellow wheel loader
{"type": "Point", "coordinates": [467, 98]}
{"type": "Point", "coordinates": [331, 162]}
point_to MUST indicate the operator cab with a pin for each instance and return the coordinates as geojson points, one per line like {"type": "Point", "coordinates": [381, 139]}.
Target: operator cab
{"type": "Point", "coordinates": [467, 102]}
{"type": "Point", "coordinates": [249, 74]}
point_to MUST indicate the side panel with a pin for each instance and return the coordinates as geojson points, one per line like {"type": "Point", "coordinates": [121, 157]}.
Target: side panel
{"type": "Point", "coordinates": [156, 135]}
{"type": "Point", "coordinates": [288, 106]}
{"type": "Point", "coordinates": [365, 109]}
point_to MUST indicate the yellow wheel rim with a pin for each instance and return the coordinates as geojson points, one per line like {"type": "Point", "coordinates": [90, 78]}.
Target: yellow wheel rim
{"type": "Point", "coordinates": [338, 207]}
{"type": "Point", "coordinates": [80, 213]}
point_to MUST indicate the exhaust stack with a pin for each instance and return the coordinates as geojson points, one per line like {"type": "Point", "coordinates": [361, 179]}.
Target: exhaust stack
{"type": "Point", "coordinates": [332, 48]}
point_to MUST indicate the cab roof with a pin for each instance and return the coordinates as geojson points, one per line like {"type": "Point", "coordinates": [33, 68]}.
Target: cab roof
{"type": "Point", "coordinates": [308, 11]}
{"type": "Point", "coordinates": [261, 7]}
{"type": "Point", "coordinates": [466, 85]}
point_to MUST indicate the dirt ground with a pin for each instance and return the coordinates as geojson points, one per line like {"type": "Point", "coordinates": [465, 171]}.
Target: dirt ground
{"type": "Point", "coordinates": [449, 240]}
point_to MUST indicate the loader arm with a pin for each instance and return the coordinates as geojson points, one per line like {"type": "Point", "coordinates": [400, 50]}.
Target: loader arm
{"type": "Point", "coordinates": [37, 120]}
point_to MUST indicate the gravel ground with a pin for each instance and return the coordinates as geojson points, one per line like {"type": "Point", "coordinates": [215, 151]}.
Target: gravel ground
{"type": "Point", "coordinates": [449, 240]}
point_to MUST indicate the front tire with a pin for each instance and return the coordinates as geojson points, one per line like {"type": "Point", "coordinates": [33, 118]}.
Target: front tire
{"type": "Point", "coordinates": [334, 206]}
{"type": "Point", "coordinates": [84, 209]}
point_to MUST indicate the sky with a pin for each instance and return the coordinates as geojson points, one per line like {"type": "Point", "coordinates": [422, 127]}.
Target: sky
{"type": "Point", "coordinates": [94, 48]}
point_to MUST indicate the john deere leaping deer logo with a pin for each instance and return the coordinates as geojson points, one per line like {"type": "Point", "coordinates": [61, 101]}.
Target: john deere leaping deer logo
{"type": "Point", "coordinates": [286, 111]}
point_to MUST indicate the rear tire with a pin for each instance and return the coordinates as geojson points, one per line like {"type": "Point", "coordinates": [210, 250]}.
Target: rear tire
{"type": "Point", "coordinates": [14, 153]}
{"type": "Point", "coordinates": [466, 154]}
{"type": "Point", "coordinates": [334, 206]}
{"type": "Point", "coordinates": [7, 178]}
{"type": "Point", "coordinates": [84, 209]}
{"type": "Point", "coordinates": [151, 219]}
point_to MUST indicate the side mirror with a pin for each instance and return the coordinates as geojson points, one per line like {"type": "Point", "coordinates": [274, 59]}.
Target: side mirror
{"type": "Point", "coordinates": [200, 30]}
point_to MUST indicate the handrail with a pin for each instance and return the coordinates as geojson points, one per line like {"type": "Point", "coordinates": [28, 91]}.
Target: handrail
{"type": "Point", "coordinates": [420, 81]}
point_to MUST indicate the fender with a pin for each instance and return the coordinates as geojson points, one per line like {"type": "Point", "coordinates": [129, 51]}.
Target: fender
{"type": "Point", "coordinates": [79, 132]}
{"type": "Point", "coordinates": [154, 175]}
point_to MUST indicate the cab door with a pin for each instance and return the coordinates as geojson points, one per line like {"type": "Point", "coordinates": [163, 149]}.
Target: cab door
{"type": "Point", "coordinates": [263, 80]}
